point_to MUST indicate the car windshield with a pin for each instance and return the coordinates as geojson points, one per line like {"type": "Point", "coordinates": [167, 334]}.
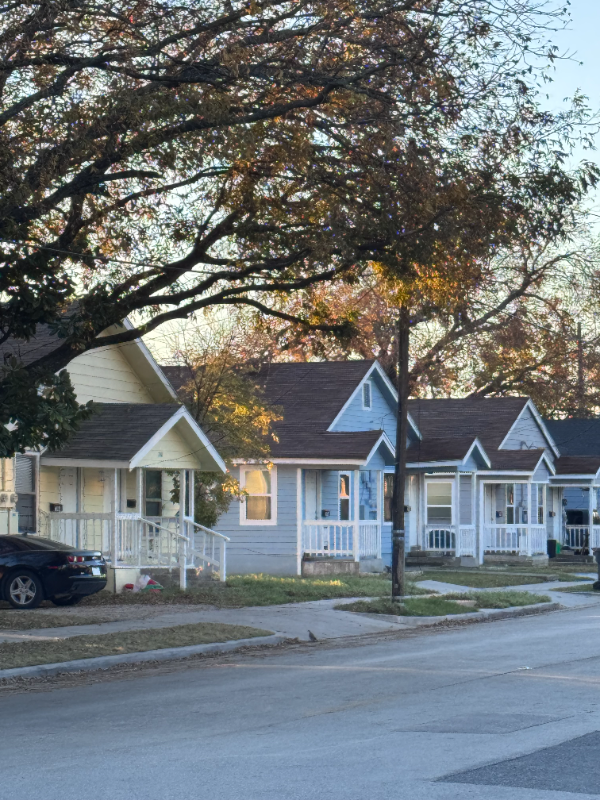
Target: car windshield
{"type": "Point", "coordinates": [34, 543]}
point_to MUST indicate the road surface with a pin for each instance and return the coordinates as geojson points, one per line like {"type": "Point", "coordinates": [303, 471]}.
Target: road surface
{"type": "Point", "coordinates": [498, 711]}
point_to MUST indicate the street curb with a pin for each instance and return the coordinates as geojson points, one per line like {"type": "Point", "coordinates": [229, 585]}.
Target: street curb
{"type": "Point", "coordinates": [476, 616]}
{"type": "Point", "coordinates": [166, 654]}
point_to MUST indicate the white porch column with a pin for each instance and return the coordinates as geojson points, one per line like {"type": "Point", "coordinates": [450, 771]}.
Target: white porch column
{"type": "Point", "coordinates": [113, 521]}
{"type": "Point", "coordinates": [356, 537]}
{"type": "Point", "coordinates": [183, 545]}
{"type": "Point", "coordinates": [192, 494]}
{"type": "Point", "coordinates": [299, 539]}
{"type": "Point", "coordinates": [455, 514]}
{"type": "Point", "coordinates": [591, 518]}
{"type": "Point", "coordinates": [139, 491]}
{"type": "Point", "coordinates": [529, 518]}
{"type": "Point", "coordinates": [481, 526]}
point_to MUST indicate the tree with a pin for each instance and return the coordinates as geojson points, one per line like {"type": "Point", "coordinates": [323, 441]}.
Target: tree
{"type": "Point", "coordinates": [163, 159]}
{"type": "Point", "coordinates": [214, 361]}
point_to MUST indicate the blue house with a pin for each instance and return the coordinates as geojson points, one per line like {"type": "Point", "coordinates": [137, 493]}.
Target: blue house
{"type": "Point", "coordinates": [326, 491]}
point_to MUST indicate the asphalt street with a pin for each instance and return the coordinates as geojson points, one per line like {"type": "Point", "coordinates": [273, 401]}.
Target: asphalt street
{"type": "Point", "coordinates": [495, 711]}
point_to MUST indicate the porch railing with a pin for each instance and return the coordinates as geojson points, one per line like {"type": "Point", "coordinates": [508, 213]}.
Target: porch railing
{"type": "Point", "coordinates": [579, 538]}
{"type": "Point", "coordinates": [516, 539]}
{"type": "Point", "coordinates": [129, 540]}
{"type": "Point", "coordinates": [459, 540]}
{"type": "Point", "coordinates": [340, 539]}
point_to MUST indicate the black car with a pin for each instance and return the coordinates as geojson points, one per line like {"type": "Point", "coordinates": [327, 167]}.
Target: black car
{"type": "Point", "coordinates": [33, 569]}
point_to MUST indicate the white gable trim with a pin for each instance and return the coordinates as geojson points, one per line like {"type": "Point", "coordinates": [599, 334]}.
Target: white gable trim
{"type": "Point", "coordinates": [196, 430]}
{"type": "Point", "coordinates": [383, 439]}
{"type": "Point", "coordinates": [529, 406]}
{"type": "Point", "coordinates": [376, 367]}
{"type": "Point", "coordinates": [150, 359]}
{"type": "Point", "coordinates": [477, 444]}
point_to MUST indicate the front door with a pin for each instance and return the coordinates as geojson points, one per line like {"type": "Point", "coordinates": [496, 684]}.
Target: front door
{"type": "Point", "coordinates": [67, 488]}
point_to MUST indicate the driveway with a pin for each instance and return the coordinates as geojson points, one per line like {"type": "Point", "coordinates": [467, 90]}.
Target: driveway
{"type": "Point", "coordinates": [415, 717]}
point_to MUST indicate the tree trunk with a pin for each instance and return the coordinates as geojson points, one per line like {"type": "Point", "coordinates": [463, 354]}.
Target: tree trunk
{"type": "Point", "coordinates": [398, 532]}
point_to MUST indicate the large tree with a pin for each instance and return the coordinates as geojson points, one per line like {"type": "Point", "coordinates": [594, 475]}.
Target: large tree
{"type": "Point", "coordinates": [161, 158]}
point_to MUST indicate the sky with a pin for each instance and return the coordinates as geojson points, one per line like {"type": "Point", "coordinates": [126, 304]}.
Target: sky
{"type": "Point", "coordinates": [580, 40]}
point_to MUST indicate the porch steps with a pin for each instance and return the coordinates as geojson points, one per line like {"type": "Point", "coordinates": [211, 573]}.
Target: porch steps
{"type": "Point", "coordinates": [567, 558]}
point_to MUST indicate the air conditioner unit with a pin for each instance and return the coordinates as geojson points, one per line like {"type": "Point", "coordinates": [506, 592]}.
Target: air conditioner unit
{"type": "Point", "coordinates": [8, 499]}
{"type": "Point", "coordinates": [13, 498]}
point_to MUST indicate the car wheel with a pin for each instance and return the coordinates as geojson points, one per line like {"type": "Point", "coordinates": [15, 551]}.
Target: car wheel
{"type": "Point", "coordinates": [67, 600]}
{"type": "Point", "coordinates": [24, 590]}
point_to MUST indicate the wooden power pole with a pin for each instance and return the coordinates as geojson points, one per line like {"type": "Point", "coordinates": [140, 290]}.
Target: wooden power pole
{"type": "Point", "coordinates": [580, 373]}
{"type": "Point", "coordinates": [398, 501]}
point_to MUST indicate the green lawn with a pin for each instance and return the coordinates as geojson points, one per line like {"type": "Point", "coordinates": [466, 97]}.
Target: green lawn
{"type": "Point", "coordinates": [440, 606]}
{"type": "Point", "coordinates": [584, 587]}
{"type": "Point", "coordinates": [259, 590]}
{"type": "Point", "coordinates": [25, 654]}
{"type": "Point", "coordinates": [479, 579]}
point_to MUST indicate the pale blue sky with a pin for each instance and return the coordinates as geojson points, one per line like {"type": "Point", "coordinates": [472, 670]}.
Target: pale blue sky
{"type": "Point", "coordinates": [582, 41]}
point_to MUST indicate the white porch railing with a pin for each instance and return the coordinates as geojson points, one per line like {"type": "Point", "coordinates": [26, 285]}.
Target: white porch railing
{"type": "Point", "coordinates": [335, 539]}
{"type": "Point", "coordinates": [459, 540]}
{"type": "Point", "coordinates": [129, 540]}
{"type": "Point", "coordinates": [578, 537]}
{"type": "Point", "coordinates": [524, 540]}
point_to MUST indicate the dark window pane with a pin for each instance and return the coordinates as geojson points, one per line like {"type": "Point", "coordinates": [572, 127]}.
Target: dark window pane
{"type": "Point", "coordinates": [153, 484]}
{"type": "Point", "coordinates": [26, 510]}
{"type": "Point", "coordinates": [153, 508]}
{"type": "Point", "coordinates": [344, 509]}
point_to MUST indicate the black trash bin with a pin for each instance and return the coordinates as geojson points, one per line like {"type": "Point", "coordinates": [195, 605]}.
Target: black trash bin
{"type": "Point", "coordinates": [552, 548]}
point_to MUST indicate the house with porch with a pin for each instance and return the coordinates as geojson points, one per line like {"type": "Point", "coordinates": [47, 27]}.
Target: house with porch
{"type": "Point", "coordinates": [110, 488]}
{"type": "Point", "coordinates": [485, 479]}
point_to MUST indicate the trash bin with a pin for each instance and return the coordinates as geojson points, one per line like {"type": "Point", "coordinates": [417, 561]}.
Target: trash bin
{"type": "Point", "coordinates": [552, 548]}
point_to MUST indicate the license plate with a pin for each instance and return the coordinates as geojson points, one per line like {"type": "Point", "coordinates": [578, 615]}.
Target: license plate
{"type": "Point", "coordinates": [96, 571]}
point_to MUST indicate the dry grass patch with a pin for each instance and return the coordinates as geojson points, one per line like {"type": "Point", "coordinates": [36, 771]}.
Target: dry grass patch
{"type": "Point", "coordinates": [26, 654]}
{"type": "Point", "coordinates": [17, 620]}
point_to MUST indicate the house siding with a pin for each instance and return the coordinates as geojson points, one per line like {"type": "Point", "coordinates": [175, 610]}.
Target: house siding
{"type": "Point", "coordinates": [171, 452]}
{"type": "Point", "coordinates": [381, 416]}
{"type": "Point", "coordinates": [272, 548]}
{"type": "Point", "coordinates": [525, 434]}
{"type": "Point", "coordinates": [106, 376]}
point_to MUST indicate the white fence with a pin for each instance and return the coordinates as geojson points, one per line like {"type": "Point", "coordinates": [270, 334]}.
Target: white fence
{"type": "Point", "coordinates": [524, 540]}
{"type": "Point", "coordinates": [341, 539]}
{"type": "Point", "coordinates": [451, 539]}
{"type": "Point", "coordinates": [128, 540]}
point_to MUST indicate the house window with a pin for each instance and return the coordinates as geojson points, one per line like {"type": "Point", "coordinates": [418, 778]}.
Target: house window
{"type": "Point", "coordinates": [367, 494]}
{"type": "Point", "coordinates": [153, 493]}
{"type": "Point", "coordinates": [388, 496]}
{"type": "Point", "coordinates": [366, 394]}
{"type": "Point", "coordinates": [439, 503]}
{"type": "Point", "coordinates": [259, 504]}
{"type": "Point", "coordinates": [538, 499]}
{"type": "Point", "coordinates": [344, 496]}
{"type": "Point", "coordinates": [25, 489]}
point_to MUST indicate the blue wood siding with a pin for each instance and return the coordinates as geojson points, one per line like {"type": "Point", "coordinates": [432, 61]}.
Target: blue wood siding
{"type": "Point", "coordinates": [525, 433]}
{"type": "Point", "coordinates": [270, 548]}
{"type": "Point", "coordinates": [329, 492]}
{"type": "Point", "coordinates": [541, 474]}
{"type": "Point", "coordinates": [381, 415]}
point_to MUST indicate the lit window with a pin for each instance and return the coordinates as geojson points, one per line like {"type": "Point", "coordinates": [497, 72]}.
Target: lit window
{"type": "Point", "coordinates": [366, 395]}
{"type": "Point", "coordinates": [259, 502]}
{"type": "Point", "coordinates": [344, 496]}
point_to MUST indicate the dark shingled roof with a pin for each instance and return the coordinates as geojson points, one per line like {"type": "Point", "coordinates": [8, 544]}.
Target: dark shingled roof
{"type": "Point", "coordinates": [576, 437]}
{"type": "Point", "coordinates": [117, 431]}
{"type": "Point", "coordinates": [489, 419]}
{"type": "Point", "coordinates": [27, 352]}
{"type": "Point", "coordinates": [310, 395]}
{"type": "Point", "coordinates": [577, 465]}
{"type": "Point", "coordinates": [452, 449]}
{"type": "Point", "coordinates": [518, 460]}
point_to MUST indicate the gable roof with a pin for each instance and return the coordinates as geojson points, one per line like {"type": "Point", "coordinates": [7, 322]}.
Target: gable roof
{"type": "Point", "coordinates": [453, 450]}
{"type": "Point", "coordinates": [576, 437]}
{"type": "Point", "coordinates": [46, 341]}
{"type": "Point", "coordinates": [520, 460]}
{"type": "Point", "coordinates": [123, 433]}
{"type": "Point", "coordinates": [490, 419]}
{"type": "Point", "coordinates": [577, 466]}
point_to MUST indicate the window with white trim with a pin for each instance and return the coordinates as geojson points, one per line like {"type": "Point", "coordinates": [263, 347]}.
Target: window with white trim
{"type": "Point", "coordinates": [367, 395]}
{"type": "Point", "coordinates": [259, 505]}
{"type": "Point", "coordinates": [439, 503]}
{"type": "Point", "coordinates": [344, 496]}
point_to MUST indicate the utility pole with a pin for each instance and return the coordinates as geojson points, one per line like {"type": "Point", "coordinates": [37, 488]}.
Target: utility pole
{"type": "Point", "coordinates": [580, 374]}
{"type": "Point", "coordinates": [398, 531]}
